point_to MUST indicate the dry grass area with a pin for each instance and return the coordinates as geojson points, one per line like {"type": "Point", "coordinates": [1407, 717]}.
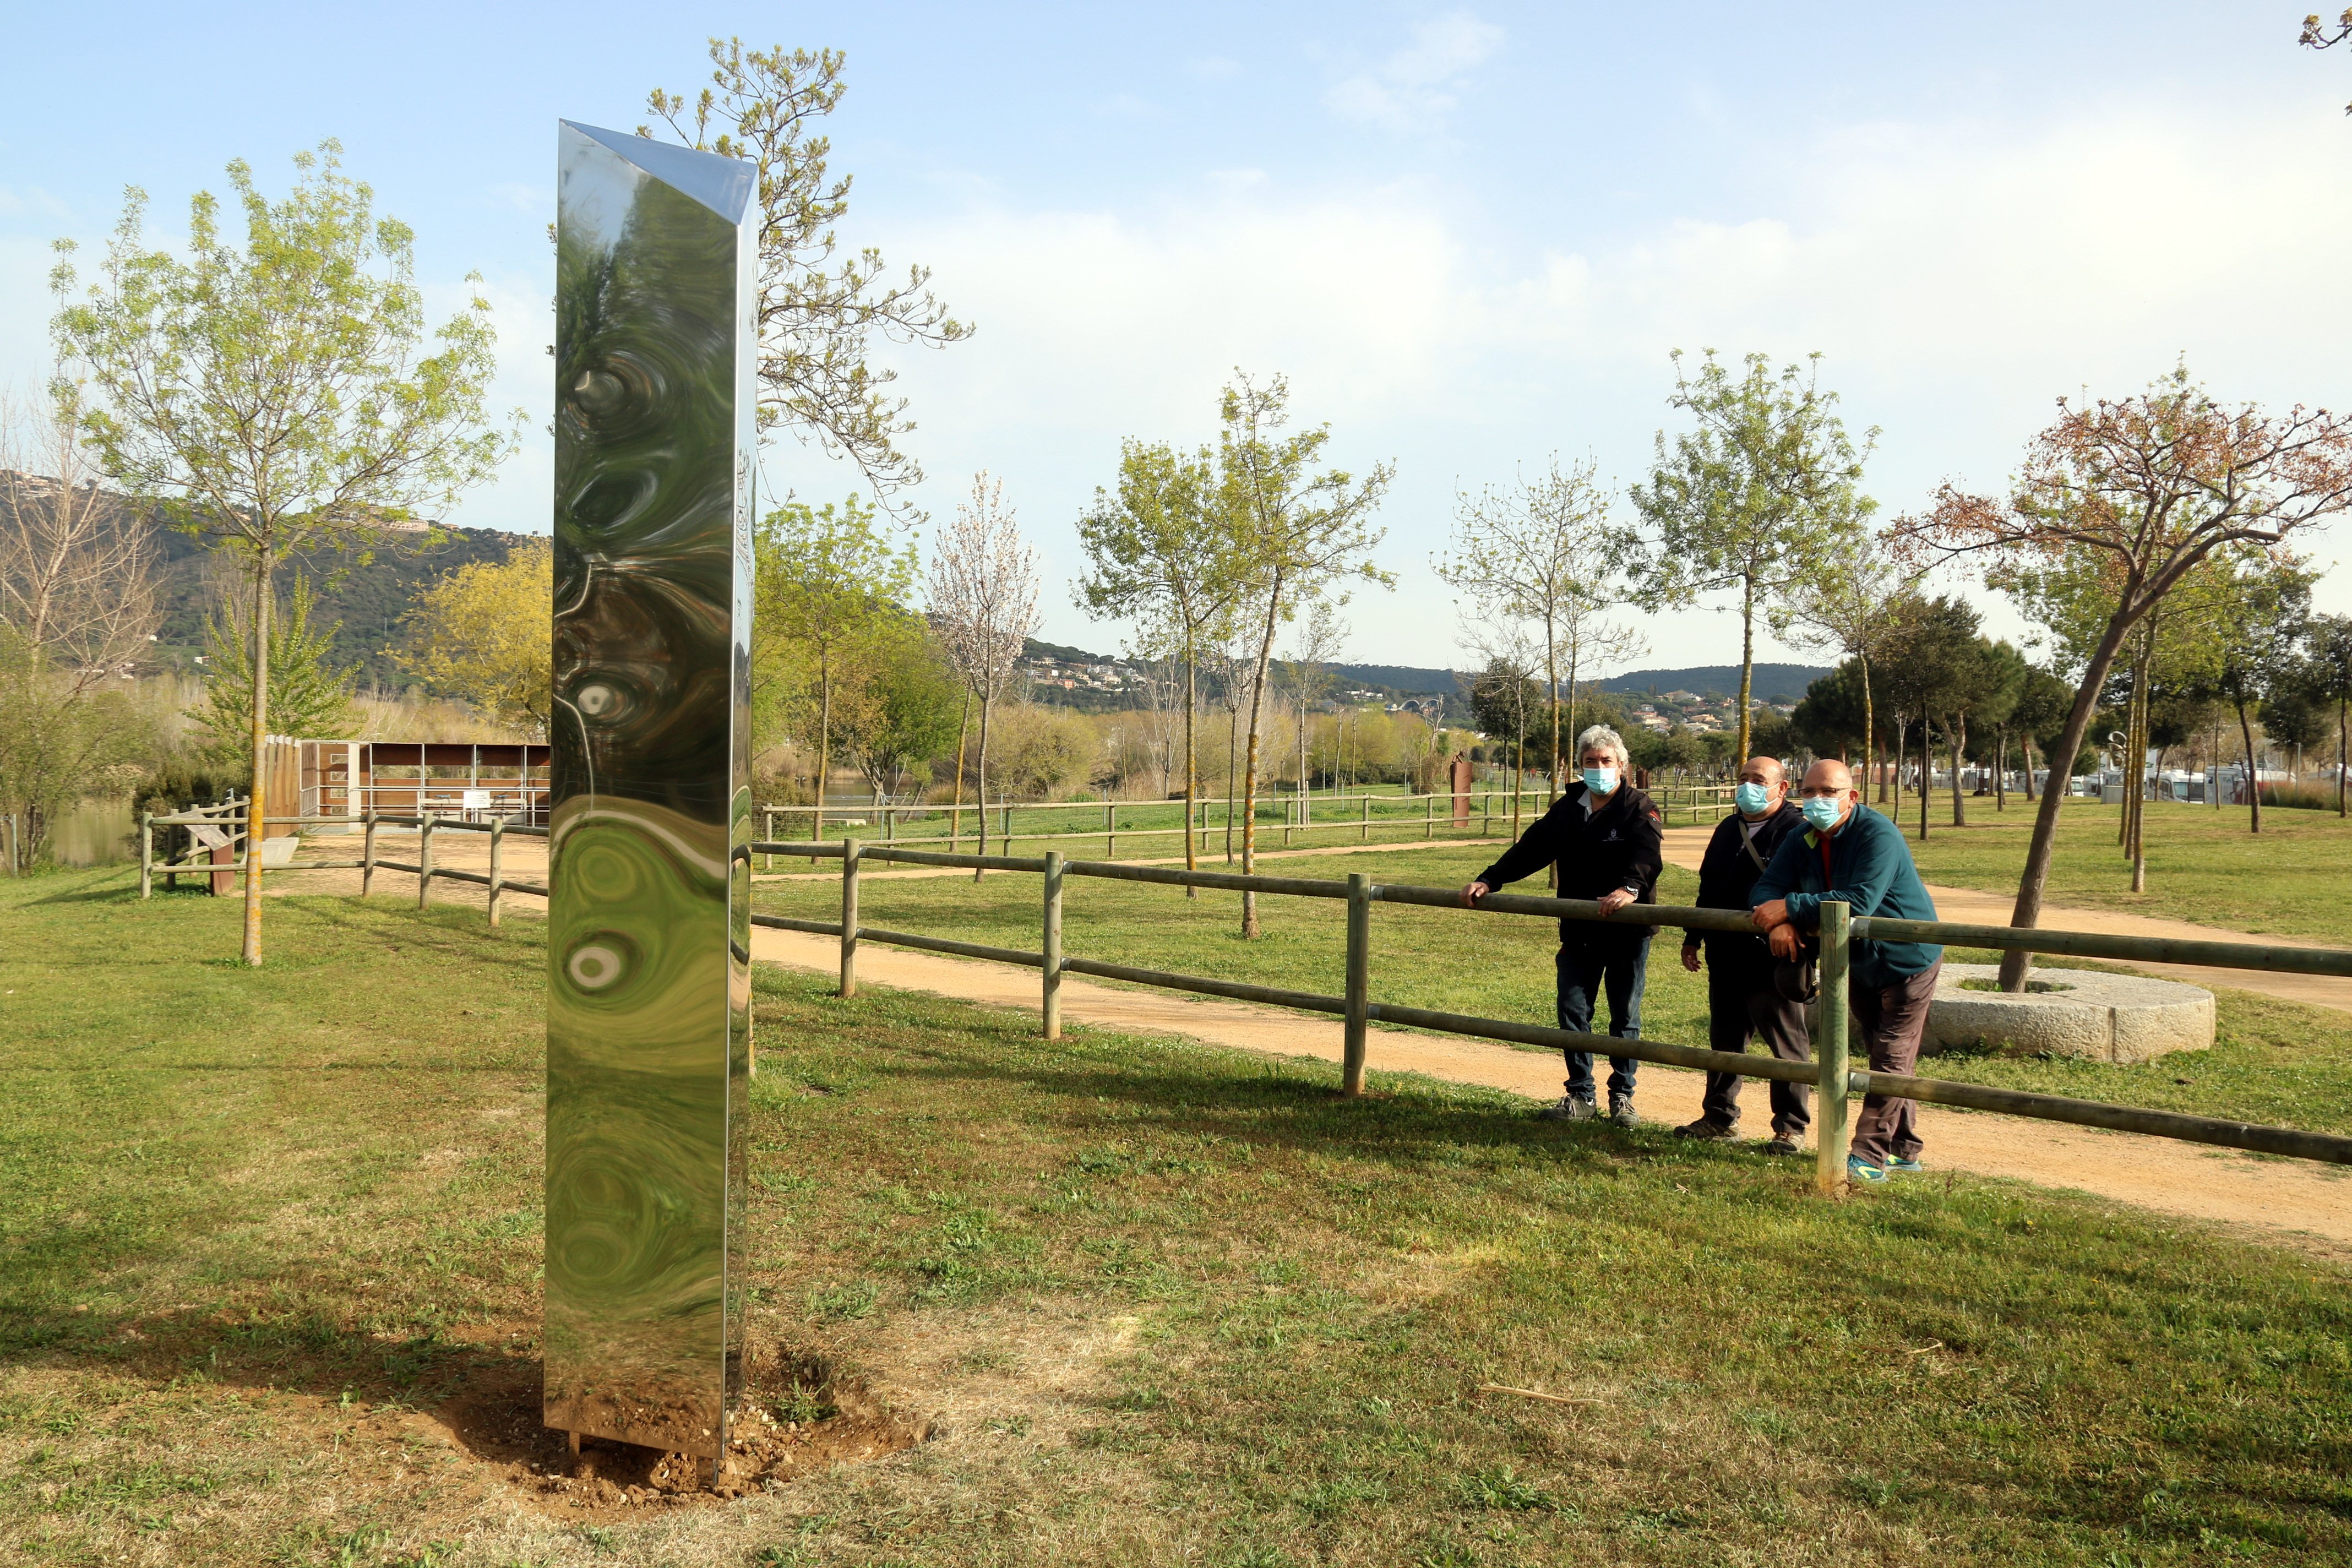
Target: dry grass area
{"type": "Point", "coordinates": [267, 1295]}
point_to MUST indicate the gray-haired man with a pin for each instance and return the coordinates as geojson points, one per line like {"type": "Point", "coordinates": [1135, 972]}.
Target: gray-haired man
{"type": "Point", "coordinates": [1605, 836]}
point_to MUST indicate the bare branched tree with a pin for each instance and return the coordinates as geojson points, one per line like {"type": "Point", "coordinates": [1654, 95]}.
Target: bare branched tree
{"type": "Point", "coordinates": [77, 575]}
{"type": "Point", "coordinates": [1541, 549]}
{"type": "Point", "coordinates": [818, 317]}
{"type": "Point", "coordinates": [78, 570]}
{"type": "Point", "coordinates": [983, 593]}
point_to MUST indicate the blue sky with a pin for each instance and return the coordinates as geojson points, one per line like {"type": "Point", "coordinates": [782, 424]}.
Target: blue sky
{"type": "Point", "coordinates": [1470, 236]}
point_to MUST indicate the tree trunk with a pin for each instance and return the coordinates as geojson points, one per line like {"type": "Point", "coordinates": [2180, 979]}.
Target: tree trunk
{"type": "Point", "coordinates": [2253, 779]}
{"type": "Point", "coordinates": [1249, 775]}
{"type": "Point", "coordinates": [2000, 768]}
{"type": "Point", "coordinates": [1959, 736]}
{"type": "Point", "coordinates": [2343, 733]}
{"type": "Point", "coordinates": [980, 771]}
{"type": "Point", "coordinates": [1869, 732]}
{"type": "Point", "coordinates": [823, 744]}
{"type": "Point", "coordinates": [1191, 760]}
{"type": "Point", "coordinates": [1902, 744]}
{"type": "Point", "coordinates": [257, 808]}
{"type": "Point", "coordinates": [1747, 659]}
{"type": "Point", "coordinates": [2015, 964]}
{"type": "Point", "coordinates": [1926, 772]}
{"type": "Point", "coordinates": [955, 815]}
{"type": "Point", "coordinates": [2025, 753]}
{"type": "Point", "coordinates": [1551, 691]}
{"type": "Point", "coordinates": [1233, 755]}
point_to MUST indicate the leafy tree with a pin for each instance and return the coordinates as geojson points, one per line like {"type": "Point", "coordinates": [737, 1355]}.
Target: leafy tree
{"type": "Point", "coordinates": [1763, 500]}
{"type": "Point", "coordinates": [2150, 487]}
{"type": "Point", "coordinates": [1161, 551]}
{"type": "Point", "coordinates": [818, 318]}
{"type": "Point", "coordinates": [481, 633]}
{"type": "Point", "coordinates": [1854, 605]}
{"type": "Point", "coordinates": [2273, 605]}
{"type": "Point", "coordinates": [1298, 531]}
{"type": "Point", "coordinates": [832, 584]}
{"type": "Point", "coordinates": [310, 697]}
{"type": "Point", "coordinates": [2327, 676]}
{"type": "Point", "coordinates": [909, 713]}
{"type": "Point", "coordinates": [277, 397]}
{"type": "Point", "coordinates": [1503, 698]}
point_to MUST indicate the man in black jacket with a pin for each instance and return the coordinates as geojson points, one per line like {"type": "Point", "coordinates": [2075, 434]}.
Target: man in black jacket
{"type": "Point", "coordinates": [1742, 1001]}
{"type": "Point", "coordinates": [1605, 837]}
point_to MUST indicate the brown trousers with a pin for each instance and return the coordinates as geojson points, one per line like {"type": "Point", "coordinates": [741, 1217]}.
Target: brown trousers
{"type": "Point", "coordinates": [1892, 1018]}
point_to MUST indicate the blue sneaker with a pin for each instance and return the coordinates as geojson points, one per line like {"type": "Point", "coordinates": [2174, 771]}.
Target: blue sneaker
{"type": "Point", "coordinates": [1858, 1169]}
{"type": "Point", "coordinates": [1898, 1166]}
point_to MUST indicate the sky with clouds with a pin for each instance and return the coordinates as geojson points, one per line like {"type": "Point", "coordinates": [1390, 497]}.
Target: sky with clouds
{"type": "Point", "coordinates": [1470, 236]}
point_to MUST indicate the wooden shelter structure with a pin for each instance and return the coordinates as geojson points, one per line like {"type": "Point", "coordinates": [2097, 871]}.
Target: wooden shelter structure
{"type": "Point", "coordinates": [474, 782]}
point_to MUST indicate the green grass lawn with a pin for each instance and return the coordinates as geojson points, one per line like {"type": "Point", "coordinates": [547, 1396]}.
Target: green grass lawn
{"type": "Point", "coordinates": [2202, 864]}
{"type": "Point", "coordinates": [270, 1232]}
{"type": "Point", "coordinates": [2273, 1061]}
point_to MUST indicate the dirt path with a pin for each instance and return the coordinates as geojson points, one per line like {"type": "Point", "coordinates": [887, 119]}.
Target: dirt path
{"type": "Point", "coordinates": [2310, 1206]}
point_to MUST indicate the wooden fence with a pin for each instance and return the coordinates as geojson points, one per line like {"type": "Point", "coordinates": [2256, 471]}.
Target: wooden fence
{"type": "Point", "coordinates": [1831, 1073]}
{"type": "Point", "coordinates": [369, 863]}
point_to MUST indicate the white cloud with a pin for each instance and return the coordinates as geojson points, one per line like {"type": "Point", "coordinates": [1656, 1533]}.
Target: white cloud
{"type": "Point", "coordinates": [1957, 277]}
{"type": "Point", "coordinates": [1415, 84]}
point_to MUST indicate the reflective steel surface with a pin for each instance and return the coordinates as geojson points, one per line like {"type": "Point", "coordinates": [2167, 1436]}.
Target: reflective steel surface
{"type": "Point", "coordinates": [648, 1009]}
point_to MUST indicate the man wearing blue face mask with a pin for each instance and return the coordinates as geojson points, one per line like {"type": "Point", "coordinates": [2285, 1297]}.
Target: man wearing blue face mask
{"type": "Point", "coordinates": [1744, 1000]}
{"type": "Point", "coordinates": [1853, 855]}
{"type": "Point", "coordinates": [1605, 836]}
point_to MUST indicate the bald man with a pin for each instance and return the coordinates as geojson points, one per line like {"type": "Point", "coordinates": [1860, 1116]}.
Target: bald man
{"type": "Point", "coordinates": [1852, 854]}
{"type": "Point", "coordinates": [1742, 1001]}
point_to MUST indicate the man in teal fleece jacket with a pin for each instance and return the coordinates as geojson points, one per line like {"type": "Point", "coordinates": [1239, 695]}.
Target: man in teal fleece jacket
{"type": "Point", "coordinates": [1856, 857]}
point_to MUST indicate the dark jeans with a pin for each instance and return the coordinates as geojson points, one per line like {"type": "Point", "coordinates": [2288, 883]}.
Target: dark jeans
{"type": "Point", "coordinates": [1743, 1003]}
{"type": "Point", "coordinates": [1892, 1019]}
{"type": "Point", "coordinates": [1618, 969]}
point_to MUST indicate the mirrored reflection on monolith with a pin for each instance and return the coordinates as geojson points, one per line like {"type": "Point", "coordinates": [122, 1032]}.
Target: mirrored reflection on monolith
{"type": "Point", "coordinates": [650, 994]}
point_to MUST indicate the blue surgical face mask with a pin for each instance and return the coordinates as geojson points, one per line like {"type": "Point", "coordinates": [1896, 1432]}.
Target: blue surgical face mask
{"type": "Point", "coordinates": [1752, 798]}
{"type": "Point", "coordinates": [1601, 780]}
{"type": "Point", "coordinates": [1821, 811]}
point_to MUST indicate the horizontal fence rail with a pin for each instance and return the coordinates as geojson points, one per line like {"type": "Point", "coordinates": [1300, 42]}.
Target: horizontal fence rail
{"type": "Point", "coordinates": [1436, 813]}
{"type": "Point", "coordinates": [369, 863]}
{"type": "Point", "coordinates": [1829, 1072]}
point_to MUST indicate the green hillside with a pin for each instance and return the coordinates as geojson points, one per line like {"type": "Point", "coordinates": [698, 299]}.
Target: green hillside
{"type": "Point", "coordinates": [366, 593]}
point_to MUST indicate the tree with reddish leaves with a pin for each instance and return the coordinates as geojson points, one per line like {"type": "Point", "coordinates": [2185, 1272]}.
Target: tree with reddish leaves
{"type": "Point", "coordinates": [2151, 486]}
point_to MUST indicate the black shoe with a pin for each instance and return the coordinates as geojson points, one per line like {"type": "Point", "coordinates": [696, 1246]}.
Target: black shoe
{"type": "Point", "coordinates": [1703, 1128]}
{"type": "Point", "coordinates": [1569, 1108]}
{"type": "Point", "coordinates": [1781, 1143]}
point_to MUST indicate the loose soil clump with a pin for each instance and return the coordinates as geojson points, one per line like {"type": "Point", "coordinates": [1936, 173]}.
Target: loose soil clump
{"type": "Point", "coordinates": [796, 1416]}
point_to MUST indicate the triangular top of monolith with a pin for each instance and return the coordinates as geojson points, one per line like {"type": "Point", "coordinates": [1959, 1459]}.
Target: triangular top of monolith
{"type": "Point", "coordinates": [722, 184]}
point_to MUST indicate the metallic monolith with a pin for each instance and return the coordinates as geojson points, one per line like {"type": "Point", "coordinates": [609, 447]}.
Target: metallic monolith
{"type": "Point", "coordinates": [648, 872]}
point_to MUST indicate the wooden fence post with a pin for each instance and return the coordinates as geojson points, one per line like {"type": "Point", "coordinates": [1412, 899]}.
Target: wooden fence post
{"type": "Point", "coordinates": [146, 855]}
{"type": "Point", "coordinates": [367, 854]}
{"type": "Point", "coordinates": [1052, 945]}
{"type": "Point", "coordinates": [1365, 834]}
{"type": "Point", "coordinates": [1359, 974]}
{"type": "Point", "coordinates": [849, 917]}
{"type": "Point", "coordinates": [1431, 831]}
{"type": "Point", "coordinates": [770, 816]}
{"type": "Point", "coordinates": [498, 842]}
{"type": "Point", "coordinates": [1110, 831]}
{"type": "Point", "coordinates": [1831, 1125]}
{"type": "Point", "coordinates": [423, 858]}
